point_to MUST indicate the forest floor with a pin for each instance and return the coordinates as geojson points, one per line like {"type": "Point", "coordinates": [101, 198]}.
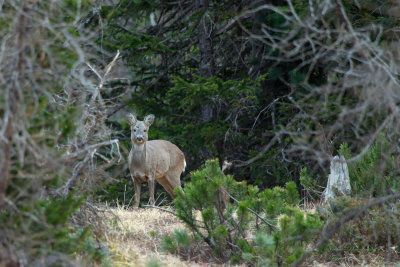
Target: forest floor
{"type": "Point", "coordinates": [134, 238]}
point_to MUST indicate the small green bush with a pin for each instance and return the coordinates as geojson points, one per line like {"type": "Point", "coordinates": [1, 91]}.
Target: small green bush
{"type": "Point", "coordinates": [255, 227]}
{"type": "Point", "coordinates": [178, 240]}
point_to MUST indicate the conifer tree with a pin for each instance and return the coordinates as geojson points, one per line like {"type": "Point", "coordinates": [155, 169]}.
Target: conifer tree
{"type": "Point", "coordinates": [263, 227]}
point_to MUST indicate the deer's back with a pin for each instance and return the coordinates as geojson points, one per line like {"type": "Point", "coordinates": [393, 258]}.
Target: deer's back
{"type": "Point", "coordinates": [165, 156]}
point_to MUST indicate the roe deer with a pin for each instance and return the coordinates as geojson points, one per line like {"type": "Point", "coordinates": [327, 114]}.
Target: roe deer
{"type": "Point", "coordinates": [153, 160]}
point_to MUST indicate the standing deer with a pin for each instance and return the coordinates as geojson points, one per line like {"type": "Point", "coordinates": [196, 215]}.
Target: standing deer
{"type": "Point", "coordinates": [153, 160]}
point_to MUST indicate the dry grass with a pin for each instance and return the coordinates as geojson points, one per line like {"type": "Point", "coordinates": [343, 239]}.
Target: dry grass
{"type": "Point", "coordinates": [348, 259]}
{"type": "Point", "coordinates": [134, 236]}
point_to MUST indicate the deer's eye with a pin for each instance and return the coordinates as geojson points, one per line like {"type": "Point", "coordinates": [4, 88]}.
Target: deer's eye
{"type": "Point", "coordinates": [145, 130]}
{"type": "Point", "coordinates": [134, 130]}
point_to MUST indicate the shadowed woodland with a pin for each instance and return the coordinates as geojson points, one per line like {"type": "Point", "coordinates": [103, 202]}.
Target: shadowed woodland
{"type": "Point", "coordinates": [275, 88]}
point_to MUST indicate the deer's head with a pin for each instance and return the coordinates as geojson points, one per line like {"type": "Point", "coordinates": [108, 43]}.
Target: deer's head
{"type": "Point", "coordinates": [139, 129]}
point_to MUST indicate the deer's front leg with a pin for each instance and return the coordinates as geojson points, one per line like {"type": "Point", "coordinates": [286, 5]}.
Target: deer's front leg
{"type": "Point", "coordinates": [137, 186]}
{"type": "Point", "coordinates": [151, 190]}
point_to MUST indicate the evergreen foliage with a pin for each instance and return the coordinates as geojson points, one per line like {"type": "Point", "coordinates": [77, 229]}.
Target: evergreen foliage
{"type": "Point", "coordinates": [375, 173]}
{"type": "Point", "coordinates": [159, 41]}
{"type": "Point", "coordinates": [179, 239]}
{"type": "Point", "coordinates": [257, 227]}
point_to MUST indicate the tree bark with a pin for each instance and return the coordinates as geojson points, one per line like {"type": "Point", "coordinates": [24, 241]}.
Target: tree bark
{"type": "Point", "coordinates": [206, 65]}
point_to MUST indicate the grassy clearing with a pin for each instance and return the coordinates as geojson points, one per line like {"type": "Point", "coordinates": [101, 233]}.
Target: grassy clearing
{"type": "Point", "coordinates": [134, 236]}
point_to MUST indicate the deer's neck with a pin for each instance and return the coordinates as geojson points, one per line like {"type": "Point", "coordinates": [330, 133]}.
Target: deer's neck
{"type": "Point", "coordinates": [139, 153]}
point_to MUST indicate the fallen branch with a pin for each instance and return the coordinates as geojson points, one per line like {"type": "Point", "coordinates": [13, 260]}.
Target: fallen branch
{"type": "Point", "coordinates": [157, 207]}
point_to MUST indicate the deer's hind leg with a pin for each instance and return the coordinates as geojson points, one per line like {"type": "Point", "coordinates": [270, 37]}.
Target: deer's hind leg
{"type": "Point", "coordinates": [167, 186]}
{"type": "Point", "coordinates": [173, 181]}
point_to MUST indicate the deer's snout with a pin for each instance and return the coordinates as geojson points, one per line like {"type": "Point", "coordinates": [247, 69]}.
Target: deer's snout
{"type": "Point", "coordinates": [139, 138]}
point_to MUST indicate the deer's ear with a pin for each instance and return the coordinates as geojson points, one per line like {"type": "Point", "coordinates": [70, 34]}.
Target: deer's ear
{"type": "Point", "coordinates": [131, 119]}
{"type": "Point", "coordinates": [148, 120]}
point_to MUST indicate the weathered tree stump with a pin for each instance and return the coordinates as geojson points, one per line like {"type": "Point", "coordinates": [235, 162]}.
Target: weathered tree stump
{"type": "Point", "coordinates": [338, 180]}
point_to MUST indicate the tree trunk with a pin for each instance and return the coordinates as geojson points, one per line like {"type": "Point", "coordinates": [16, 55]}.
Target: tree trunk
{"type": "Point", "coordinates": [206, 66]}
